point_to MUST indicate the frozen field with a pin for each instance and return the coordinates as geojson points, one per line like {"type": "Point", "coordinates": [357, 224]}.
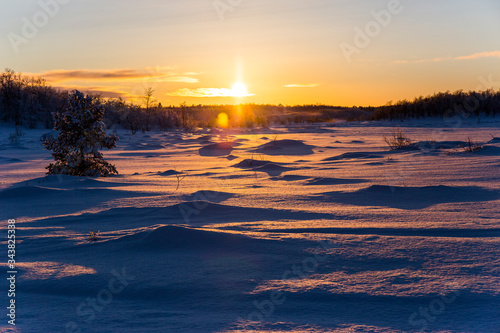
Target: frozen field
{"type": "Point", "coordinates": [305, 229]}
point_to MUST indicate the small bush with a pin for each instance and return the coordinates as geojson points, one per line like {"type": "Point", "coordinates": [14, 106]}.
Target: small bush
{"type": "Point", "coordinates": [398, 139]}
{"type": "Point", "coordinates": [189, 124]}
{"type": "Point", "coordinates": [471, 147]}
{"type": "Point", "coordinates": [94, 236]}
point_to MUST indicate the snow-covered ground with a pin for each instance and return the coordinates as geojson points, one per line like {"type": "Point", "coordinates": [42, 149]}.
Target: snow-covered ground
{"type": "Point", "coordinates": [302, 229]}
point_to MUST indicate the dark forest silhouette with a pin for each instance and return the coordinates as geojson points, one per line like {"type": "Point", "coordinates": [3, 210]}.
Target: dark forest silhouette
{"type": "Point", "coordinates": [31, 102]}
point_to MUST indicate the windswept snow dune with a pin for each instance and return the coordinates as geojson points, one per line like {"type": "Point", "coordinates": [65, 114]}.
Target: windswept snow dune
{"type": "Point", "coordinates": [178, 238]}
{"type": "Point", "coordinates": [217, 149]}
{"type": "Point", "coordinates": [285, 147]}
{"type": "Point", "coordinates": [301, 229]}
{"type": "Point", "coordinates": [412, 197]}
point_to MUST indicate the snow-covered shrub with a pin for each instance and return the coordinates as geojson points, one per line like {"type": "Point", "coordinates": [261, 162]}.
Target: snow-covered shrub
{"type": "Point", "coordinates": [81, 136]}
{"type": "Point", "coordinates": [471, 146]}
{"type": "Point", "coordinates": [398, 140]}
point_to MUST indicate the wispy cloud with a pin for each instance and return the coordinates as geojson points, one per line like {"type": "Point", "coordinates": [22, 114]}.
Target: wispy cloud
{"type": "Point", "coordinates": [184, 79]}
{"type": "Point", "coordinates": [480, 55]}
{"type": "Point", "coordinates": [106, 92]}
{"type": "Point", "coordinates": [302, 85]}
{"type": "Point", "coordinates": [492, 54]}
{"type": "Point", "coordinates": [158, 74]}
{"type": "Point", "coordinates": [207, 92]}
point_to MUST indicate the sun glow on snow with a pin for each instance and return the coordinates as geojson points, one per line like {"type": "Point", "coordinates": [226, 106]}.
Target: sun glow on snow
{"type": "Point", "coordinates": [223, 120]}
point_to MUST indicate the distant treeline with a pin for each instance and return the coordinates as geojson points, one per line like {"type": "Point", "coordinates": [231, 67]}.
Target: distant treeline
{"type": "Point", "coordinates": [31, 102]}
{"type": "Point", "coordinates": [135, 117]}
{"type": "Point", "coordinates": [446, 105]}
{"type": "Point", "coordinates": [28, 101]}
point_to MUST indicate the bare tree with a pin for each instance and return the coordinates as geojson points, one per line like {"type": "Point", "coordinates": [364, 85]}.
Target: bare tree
{"type": "Point", "coordinates": [148, 98]}
{"type": "Point", "coordinates": [183, 108]}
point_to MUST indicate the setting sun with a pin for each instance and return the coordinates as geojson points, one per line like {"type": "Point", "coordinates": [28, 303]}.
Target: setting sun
{"type": "Point", "coordinates": [239, 89]}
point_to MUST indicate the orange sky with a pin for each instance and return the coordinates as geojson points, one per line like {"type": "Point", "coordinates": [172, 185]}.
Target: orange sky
{"type": "Point", "coordinates": [291, 52]}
